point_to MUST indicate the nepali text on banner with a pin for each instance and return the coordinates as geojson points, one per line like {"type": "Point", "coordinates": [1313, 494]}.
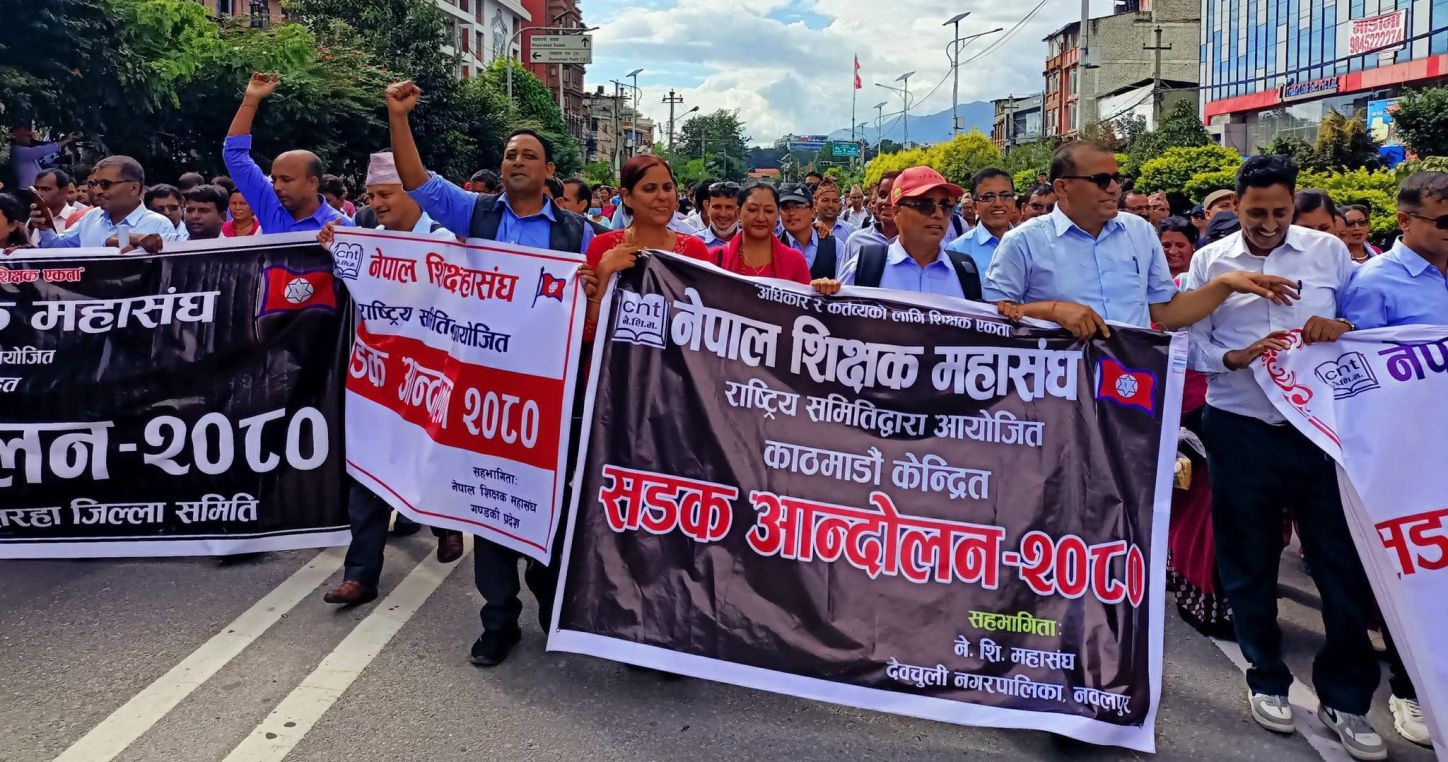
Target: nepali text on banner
{"type": "Point", "coordinates": [897, 502]}
{"type": "Point", "coordinates": [1374, 401]}
{"type": "Point", "coordinates": [184, 403]}
{"type": "Point", "coordinates": [460, 385]}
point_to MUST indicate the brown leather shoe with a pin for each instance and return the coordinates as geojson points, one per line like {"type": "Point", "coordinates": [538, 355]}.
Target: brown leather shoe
{"type": "Point", "coordinates": [449, 547]}
{"type": "Point", "coordinates": [350, 593]}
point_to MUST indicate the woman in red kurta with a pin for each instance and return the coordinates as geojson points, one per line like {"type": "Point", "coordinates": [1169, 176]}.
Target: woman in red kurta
{"type": "Point", "coordinates": [756, 252]}
{"type": "Point", "coordinates": [647, 189]}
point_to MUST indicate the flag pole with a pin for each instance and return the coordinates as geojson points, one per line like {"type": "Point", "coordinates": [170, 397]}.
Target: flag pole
{"type": "Point", "coordinates": [854, 93]}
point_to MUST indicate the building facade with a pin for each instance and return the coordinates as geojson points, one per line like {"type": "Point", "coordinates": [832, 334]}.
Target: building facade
{"type": "Point", "coordinates": [568, 77]}
{"type": "Point", "coordinates": [259, 13]}
{"type": "Point", "coordinates": [1017, 120]}
{"type": "Point", "coordinates": [613, 130]}
{"type": "Point", "coordinates": [1270, 70]}
{"type": "Point", "coordinates": [1122, 56]}
{"type": "Point", "coordinates": [480, 31]}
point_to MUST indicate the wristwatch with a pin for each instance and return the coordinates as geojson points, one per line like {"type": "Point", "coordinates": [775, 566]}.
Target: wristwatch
{"type": "Point", "coordinates": [1346, 322]}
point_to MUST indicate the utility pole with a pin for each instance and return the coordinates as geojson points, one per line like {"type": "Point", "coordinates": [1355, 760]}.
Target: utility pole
{"type": "Point", "coordinates": [1156, 77]}
{"type": "Point", "coordinates": [672, 100]}
{"type": "Point", "coordinates": [1081, 66]}
{"type": "Point", "coordinates": [634, 118]}
{"type": "Point", "coordinates": [617, 130]}
{"type": "Point", "coordinates": [1010, 125]}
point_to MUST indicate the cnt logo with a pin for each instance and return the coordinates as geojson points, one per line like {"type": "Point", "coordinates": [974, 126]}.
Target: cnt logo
{"type": "Point", "coordinates": [641, 319]}
{"type": "Point", "coordinates": [1349, 375]}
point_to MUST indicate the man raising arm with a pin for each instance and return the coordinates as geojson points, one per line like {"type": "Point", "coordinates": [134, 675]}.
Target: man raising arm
{"type": "Point", "coordinates": [292, 199]}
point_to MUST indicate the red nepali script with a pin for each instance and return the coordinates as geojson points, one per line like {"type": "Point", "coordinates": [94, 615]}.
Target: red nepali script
{"type": "Point", "coordinates": [1409, 536]}
{"type": "Point", "coordinates": [290, 290]}
{"type": "Point", "coordinates": [484, 410]}
{"type": "Point", "coordinates": [1125, 386]}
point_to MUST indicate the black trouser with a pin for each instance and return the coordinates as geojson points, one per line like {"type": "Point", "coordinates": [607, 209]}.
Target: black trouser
{"type": "Point", "coordinates": [368, 515]}
{"type": "Point", "coordinates": [1257, 470]}
{"type": "Point", "coordinates": [495, 570]}
{"type": "Point", "coordinates": [1398, 679]}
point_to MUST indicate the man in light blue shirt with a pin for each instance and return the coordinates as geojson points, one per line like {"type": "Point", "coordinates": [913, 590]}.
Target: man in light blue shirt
{"type": "Point", "coordinates": [291, 200]}
{"type": "Point", "coordinates": [1084, 256]}
{"type": "Point", "coordinates": [994, 194]}
{"type": "Point", "coordinates": [119, 186]}
{"type": "Point", "coordinates": [1406, 285]}
{"type": "Point", "coordinates": [882, 231]}
{"type": "Point", "coordinates": [827, 210]}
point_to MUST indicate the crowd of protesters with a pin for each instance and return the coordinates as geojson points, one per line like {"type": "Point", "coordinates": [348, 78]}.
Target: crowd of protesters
{"type": "Point", "coordinates": [1080, 248]}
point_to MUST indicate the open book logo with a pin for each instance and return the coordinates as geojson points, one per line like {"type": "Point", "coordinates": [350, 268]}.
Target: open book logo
{"type": "Point", "coordinates": [1349, 375]}
{"type": "Point", "coordinates": [641, 319]}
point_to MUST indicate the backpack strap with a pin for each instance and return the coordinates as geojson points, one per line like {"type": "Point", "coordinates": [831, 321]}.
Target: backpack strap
{"type": "Point", "coordinates": [825, 259]}
{"type": "Point", "coordinates": [871, 266]}
{"type": "Point", "coordinates": [968, 273]}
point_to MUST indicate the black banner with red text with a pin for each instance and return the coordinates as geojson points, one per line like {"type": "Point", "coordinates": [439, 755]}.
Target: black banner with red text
{"type": "Point", "coordinates": [185, 403]}
{"type": "Point", "coordinates": [893, 501]}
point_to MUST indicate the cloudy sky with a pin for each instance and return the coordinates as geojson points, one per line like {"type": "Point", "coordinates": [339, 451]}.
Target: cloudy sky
{"type": "Point", "coordinates": [787, 65]}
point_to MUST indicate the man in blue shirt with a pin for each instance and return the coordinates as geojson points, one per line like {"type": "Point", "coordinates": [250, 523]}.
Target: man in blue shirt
{"type": "Point", "coordinates": [796, 214]}
{"type": "Point", "coordinates": [1406, 285]}
{"type": "Point", "coordinates": [291, 200]}
{"type": "Point", "coordinates": [524, 215]}
{"type": "Point", "coordinates": [922, 202]}
{"type": "Point", "coordinates": [882, 231]}
{"type": "Point", "coordinates": [827, 211]}
{"type": "Point", "coordinates": [1086, 256]}
{"type": "Point", "coordinates": [994, 194]}
{"type": "Point", "coordinates": [119, 186]}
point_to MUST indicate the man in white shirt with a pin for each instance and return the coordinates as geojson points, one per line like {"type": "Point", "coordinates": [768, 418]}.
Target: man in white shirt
{"type": "Point", "coordinates": [50, 187]}
{"type": "Point", "coordinates": [1261, 464]}
{"type": "Point", "coordinates": [856, 213]}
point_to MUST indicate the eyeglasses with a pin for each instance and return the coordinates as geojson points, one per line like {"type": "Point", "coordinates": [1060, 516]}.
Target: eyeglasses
{"type": "Point", "coordinates": [1440, 221]}
{"type": "Point", "coordinates": [792, 206]}
{"type": "Point", "coordinates": [927, 206]}
{"type": "Point", "coordinates": [991, 198]}
{"type": "Point", "coordinates": [106, 185]}
{"type": "Point", "coordinates": [1102, 180]}
{"type": "Point", "coordinates": [1356, 223]}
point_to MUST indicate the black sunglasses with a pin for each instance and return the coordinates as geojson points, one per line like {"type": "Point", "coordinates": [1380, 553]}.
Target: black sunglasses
{"type": "Point", "coordinates": [1362, 223]}
{"type": "Point", "coordinates": [927, 206]}
{"type": "Point", "coordinates": [1440, 221]}
{"type": "Point", "coordinates": [1102, 180]}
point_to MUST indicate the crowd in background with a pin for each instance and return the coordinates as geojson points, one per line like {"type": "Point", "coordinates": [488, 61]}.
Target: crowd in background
{"type": "Point", "coordinates": [1081, 248]}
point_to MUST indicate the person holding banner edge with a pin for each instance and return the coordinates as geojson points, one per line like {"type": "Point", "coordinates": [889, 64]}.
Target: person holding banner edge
{"type": "Point", "coordinates": [367, 513]}
{"type": "Point", "coordinates": [1260, 465]}
{"type": "Point", "coordinates": [1406, 285]}
{"type": "Point", "coordinates": [522, 214]}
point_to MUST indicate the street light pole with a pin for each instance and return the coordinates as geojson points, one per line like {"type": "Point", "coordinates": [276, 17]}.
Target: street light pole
{"type": "Point", "coordinates": [905, 118]}
{"type": "Point", "coordinates": [952, 52]}
{"type": "Point", "coordinates": [634, 120]}
{"type": "Point", "coordinates": [879, 117]}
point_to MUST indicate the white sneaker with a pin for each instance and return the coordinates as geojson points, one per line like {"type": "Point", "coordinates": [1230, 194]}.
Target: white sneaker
{"type": "Point", "coordinates": [1375, 637]}
{"type": "Point", "coordinates": [1408, 720]}
{"type": "Point", "coordinates": [1271, 712]}
{"type": "Point", "coordinates": [1358, 738]}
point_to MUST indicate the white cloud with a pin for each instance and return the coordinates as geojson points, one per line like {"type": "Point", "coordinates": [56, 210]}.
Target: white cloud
{"type": "Point", "coordinates": [786, 77]}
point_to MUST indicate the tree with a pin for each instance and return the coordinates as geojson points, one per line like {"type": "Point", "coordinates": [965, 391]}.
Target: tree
{"type": "Point", "coordinates": [56, 63]}
{"type": "Point", "coordinates": [1292, 146]}
{"type": "Point", "coordinates": [1343, 142]}
{"type": "Point", "coordinates": [1180, 128]}
{"type": "Point", "coordinates": [962, 156]}
{"type": "Point", "coordinates": [1422, 121]}
{"type": "Point", "coordinates": [535, 107]}
{"type": "Point", "coordinates": [707, 136]}
{"type": "Point", "coordinates": [599, 173]}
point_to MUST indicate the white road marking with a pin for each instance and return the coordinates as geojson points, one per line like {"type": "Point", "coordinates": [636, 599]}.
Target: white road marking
{"type": "Point", "coordinates": [295, 716]}
{"type": "Point", "coordinates": [145, 709]}
{"type": "Point", "coordinates": [1304, 710]}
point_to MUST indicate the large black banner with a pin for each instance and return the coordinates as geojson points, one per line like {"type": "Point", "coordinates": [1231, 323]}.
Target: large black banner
{"type": "Point", "coordinates": [177, 404]}
{"type": "Point", "coordinates": [894, 501]}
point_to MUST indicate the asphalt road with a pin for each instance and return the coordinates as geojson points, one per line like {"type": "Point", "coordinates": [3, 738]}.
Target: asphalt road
{"type": "Point", "coordinates": [187, 659]}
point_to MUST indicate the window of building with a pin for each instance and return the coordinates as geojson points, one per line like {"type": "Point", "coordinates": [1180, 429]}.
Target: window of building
{"type": "Point", "coordinates": [1075, 79]}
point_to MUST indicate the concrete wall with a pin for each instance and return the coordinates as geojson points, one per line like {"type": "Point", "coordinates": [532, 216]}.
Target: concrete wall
{"type": "Point", "coordinates": [1117, 44]}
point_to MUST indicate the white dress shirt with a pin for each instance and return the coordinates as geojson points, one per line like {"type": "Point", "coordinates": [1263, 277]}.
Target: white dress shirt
{"type": "Point", "coordinates": [1319, 261]}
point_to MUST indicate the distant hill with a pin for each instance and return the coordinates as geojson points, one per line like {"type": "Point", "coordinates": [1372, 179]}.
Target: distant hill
{"type": "Point", "coordinates": [928, 128]}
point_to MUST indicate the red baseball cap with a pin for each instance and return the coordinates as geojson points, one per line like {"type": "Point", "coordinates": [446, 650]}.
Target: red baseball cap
{"type": "Point", "coordinates": [917, 181]}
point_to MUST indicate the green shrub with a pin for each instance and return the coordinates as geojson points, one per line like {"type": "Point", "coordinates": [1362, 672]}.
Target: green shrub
{"type": "Point", "coordinates": [1177, 166]}
{"type": "Point", "coordinates": [1377, 190]}
{"type": "Point", "coordinates": [1203, 183]}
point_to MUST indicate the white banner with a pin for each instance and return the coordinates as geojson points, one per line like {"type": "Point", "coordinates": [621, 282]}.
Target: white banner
{"type": "Point", "coordinates": [1375, 402]}
{"type": "Point", "coordinates": [460, 386]}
